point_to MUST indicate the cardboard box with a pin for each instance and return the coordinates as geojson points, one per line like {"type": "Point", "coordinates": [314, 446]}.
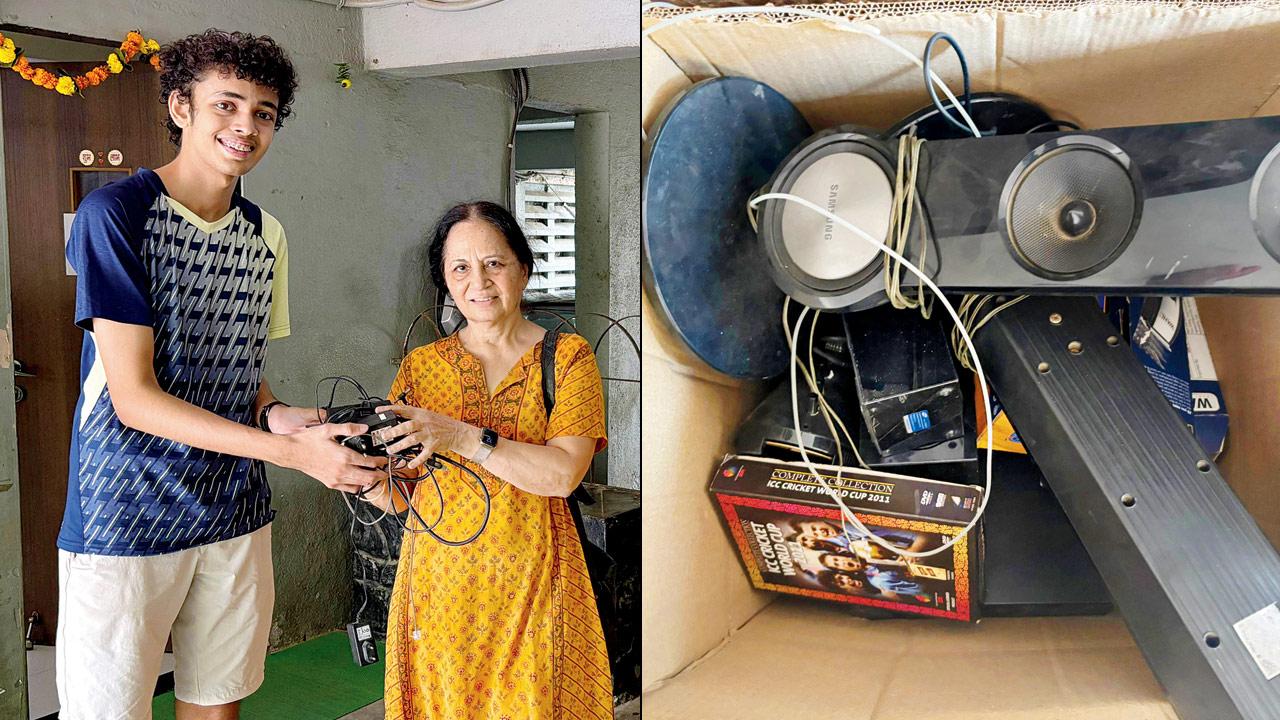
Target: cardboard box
{"type": "Point", "coordinates": [714, 646]}
{"type": "Point", "coordinates": [792, 537]}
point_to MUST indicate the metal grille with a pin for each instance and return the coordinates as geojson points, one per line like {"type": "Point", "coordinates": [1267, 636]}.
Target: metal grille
{"type": "Point", "coordinates": [1071, 177]}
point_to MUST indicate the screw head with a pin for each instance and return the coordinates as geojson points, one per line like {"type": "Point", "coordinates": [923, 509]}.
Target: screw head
{"type": "Point", "coordinates": [1055, 319]}
{"type": "Point", "coordinates": [1074, 347]}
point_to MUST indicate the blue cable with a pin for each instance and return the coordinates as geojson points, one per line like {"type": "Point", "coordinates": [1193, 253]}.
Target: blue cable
{"type": "Point", "coordinates": [928, 82]}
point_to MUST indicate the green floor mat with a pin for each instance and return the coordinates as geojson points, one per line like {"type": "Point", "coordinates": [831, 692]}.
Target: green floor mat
{"type": "Point", "coordinates": [315, 680]}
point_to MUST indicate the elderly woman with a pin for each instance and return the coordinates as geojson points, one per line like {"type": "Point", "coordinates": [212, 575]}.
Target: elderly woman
{"type": "Point", "coordinates": [506, 626]}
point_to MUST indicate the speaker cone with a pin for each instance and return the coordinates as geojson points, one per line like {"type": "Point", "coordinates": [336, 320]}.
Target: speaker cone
{"type": "Point", "coordinates": [1264, 203]}
{"type": "Point", "coordinates": [1070, 207]}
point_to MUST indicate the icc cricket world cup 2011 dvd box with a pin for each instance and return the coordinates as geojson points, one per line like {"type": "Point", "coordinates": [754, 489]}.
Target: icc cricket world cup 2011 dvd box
{"type": "Point", "coordinates": [793, 538]}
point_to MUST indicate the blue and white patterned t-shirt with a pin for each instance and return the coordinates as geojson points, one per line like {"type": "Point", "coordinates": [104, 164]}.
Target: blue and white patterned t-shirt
{"type": "Point", "coordinates": [213, 294]}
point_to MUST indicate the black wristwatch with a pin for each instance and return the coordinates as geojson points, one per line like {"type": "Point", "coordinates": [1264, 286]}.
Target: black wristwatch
{"type": "Point", "coordinates": [265, 411]}
{"type": "Point", "coordinates": [488, 441]}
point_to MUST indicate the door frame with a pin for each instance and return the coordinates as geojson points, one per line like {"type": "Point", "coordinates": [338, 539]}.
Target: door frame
{"type": "Point", "coordinates": [13, 656]}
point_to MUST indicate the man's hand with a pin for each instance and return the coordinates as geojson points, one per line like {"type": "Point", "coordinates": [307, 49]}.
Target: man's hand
{"type": "Point", "coordinates": [316, 452]}
{"type": "Point", "coordinates": [286, 420]}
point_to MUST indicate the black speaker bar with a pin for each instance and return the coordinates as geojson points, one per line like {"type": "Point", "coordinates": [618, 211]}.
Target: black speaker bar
{"type": "Point", "coordinates": [1181, 556]}
{"type": "Point", "coordinates": [1206, 218]}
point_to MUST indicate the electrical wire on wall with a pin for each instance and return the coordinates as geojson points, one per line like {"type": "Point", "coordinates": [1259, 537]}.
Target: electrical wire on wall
{"type": "Point", "coordinates": [519, 94]}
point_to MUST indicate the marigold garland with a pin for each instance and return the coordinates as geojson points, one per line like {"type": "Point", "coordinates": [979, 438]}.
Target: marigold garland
{"type": "Point", "coordinates": [134, 46]}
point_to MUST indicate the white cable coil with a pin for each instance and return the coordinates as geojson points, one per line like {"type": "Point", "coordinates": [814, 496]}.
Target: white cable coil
{"type": "Point", "coordinates": [964, 334]}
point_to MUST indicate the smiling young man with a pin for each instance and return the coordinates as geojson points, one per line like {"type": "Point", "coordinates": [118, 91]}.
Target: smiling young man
{"type": "Point", "coordinates": [181, 283]}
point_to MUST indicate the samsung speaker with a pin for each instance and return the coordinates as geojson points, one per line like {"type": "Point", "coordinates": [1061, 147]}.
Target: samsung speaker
{"type": "Point", "coordinates": [1160, 210]}
{"type": "Point", "coordinates": [1183, 209]}
{"type": "Point", "coordinates": [816, 261]}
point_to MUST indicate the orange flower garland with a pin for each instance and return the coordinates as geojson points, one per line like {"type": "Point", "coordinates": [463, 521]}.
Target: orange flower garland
{"type": "Point", "coordinates": [134, 46]}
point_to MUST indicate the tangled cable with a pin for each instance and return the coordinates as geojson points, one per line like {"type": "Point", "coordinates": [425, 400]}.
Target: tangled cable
{"type": "Point", "coordinates": [401, 487]}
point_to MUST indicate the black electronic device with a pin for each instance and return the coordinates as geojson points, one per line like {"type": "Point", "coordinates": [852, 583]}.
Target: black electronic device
{"type": "Point", "coordinates": [1194, 576]}
{"type": "Point", "coordinates": [366, 413]}
{"type": "Point", "coordinates": [994, 114]}
{"type": "Point", "coordinates": [1034, 562]}
{"type": "Point", "coordinates": [770, 430]}
{"type": "Point", "coordinates": [908, 390]}
{"type": "Point", "coordinates": [1191, 208]}
{"type": "Point", "coordinates": [364, 651]}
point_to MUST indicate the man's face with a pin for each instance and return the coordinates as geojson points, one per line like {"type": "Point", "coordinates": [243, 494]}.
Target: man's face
{"type": "Point", "coordinates": [847, 582]}
{"type": "Point", "coordinates": [229, 123]}
{"type": "Point", "coordinates": [841, 562]}
{"type": "Point", "coordinates": [818, 529]}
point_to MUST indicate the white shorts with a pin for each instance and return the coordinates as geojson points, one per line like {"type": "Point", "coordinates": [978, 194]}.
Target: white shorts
{"type": "Point", "coordinates": [116, 613]}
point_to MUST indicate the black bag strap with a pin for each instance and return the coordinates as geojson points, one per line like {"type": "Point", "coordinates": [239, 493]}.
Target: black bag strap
{"type": "Point", "coordinates": [580, 494]}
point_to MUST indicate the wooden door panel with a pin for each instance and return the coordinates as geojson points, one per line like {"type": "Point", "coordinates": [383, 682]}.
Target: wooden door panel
{"type": "Point", "coordinates": [44, 133]}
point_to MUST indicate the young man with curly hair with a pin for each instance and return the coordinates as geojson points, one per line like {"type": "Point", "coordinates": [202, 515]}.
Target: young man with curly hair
{"type": "Point", "coordinates": [181, 283]}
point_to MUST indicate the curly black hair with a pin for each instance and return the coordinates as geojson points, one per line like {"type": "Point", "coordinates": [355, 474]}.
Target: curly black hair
{"type": "Point", "coordinates": [492, 213]}
{"type": "Point", "coordinates": [251, 57]}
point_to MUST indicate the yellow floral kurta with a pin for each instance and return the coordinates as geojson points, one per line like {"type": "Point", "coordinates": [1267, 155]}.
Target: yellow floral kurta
{"type": "Point", "coordinates": [504, 628]}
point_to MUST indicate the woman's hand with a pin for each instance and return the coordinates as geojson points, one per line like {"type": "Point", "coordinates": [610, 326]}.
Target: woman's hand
{"type": "Point", "coordinates": [433, 431]}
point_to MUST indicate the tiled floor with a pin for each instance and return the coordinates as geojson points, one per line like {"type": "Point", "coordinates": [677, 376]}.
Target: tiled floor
{"type": "Point", "coordinates": [626, 711]}
{"type": "Point", "coordinates": [42, 681]}
{"type": "Point", "coordinates": [369, 712]}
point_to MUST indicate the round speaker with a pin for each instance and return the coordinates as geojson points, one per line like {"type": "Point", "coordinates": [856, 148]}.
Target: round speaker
{"type": "Point", "coordinates": [993, 113]}
{"type": "Point", "coordinates": [811, 258]}
{"type": "Point", "coordinates": [713, 146]}
{"type": "Point", "coordinates": [1264, 202]}
{"type": "Point", "coordinates": [1071, 207]}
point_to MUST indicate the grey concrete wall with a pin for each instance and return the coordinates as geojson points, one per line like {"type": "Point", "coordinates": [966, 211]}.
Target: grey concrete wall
{"type": "Point", "coordinates": [13, 663]}
{"type": "Point", "coordinates": [356, 177]}
{"type": "Point", "coordinates": [605, 96]}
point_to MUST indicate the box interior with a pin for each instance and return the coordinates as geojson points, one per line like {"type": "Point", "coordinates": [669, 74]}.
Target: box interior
{"type": "Point", "coordinates": [713, 646]}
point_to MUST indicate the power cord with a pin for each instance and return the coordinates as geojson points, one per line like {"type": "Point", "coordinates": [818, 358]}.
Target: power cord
{"type": "Point", "coordinates": [795, 406]}
{"type": "Point", "coordinates": [841, 23]}
{"type": "Point", "coordinates": [810, 373]}
{"type": "Point", "coordinates": [402, 488]}
{"type": "Point", "coordinates": [904, 204]}
{"type": "Point", "coordinates": [964, 70]}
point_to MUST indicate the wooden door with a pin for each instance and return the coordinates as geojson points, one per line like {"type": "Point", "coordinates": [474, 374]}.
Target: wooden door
{"type": "Point", "coordinates": [44, 134]}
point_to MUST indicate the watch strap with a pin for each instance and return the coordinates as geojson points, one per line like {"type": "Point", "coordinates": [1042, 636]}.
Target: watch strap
{"type": "Point", "coordinates": [488, 441]}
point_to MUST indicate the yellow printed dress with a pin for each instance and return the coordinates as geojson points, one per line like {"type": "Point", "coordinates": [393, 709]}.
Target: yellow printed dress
{"type": "Point", "coordinates": [504, 628]}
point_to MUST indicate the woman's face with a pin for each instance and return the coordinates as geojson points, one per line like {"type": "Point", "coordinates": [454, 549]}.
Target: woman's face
{"type": "Point", "coordinates": [481, 272]}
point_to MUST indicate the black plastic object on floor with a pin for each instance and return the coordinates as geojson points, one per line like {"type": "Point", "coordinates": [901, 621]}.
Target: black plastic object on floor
{"type": "Point", "coordinates": [612, 547]}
